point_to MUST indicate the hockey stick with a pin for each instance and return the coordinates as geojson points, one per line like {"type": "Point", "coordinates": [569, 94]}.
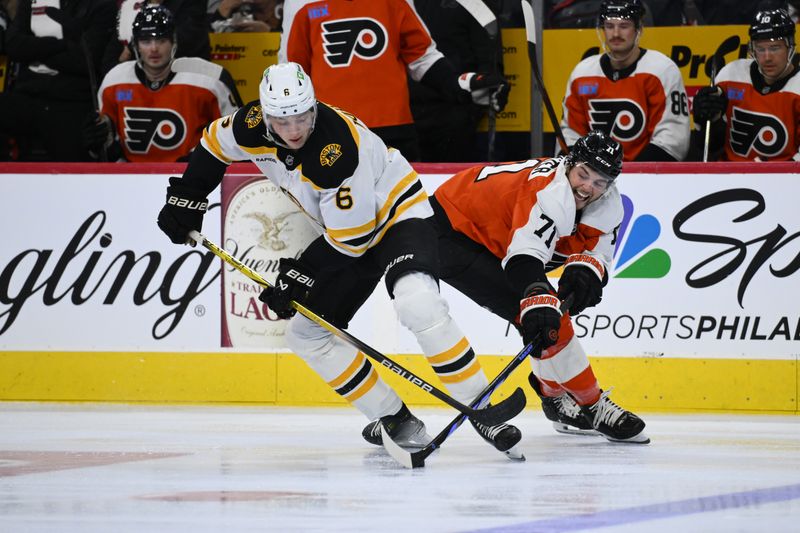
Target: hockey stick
{"type": "Point", "coordinates": [530, 34]}
{"type": "Point", "coordinates": [484, 16]}
{"type": "Point", "coordinates": [417, 459]}
{"type": "Point", "coordinates": [708, 122]}
{"type": "Point", "coordinates": [493, 415]}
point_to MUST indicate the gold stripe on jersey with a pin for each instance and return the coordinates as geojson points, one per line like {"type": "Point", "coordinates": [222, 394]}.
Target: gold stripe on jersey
{"type": "Point", "coordinates": [210, 138]}
{"type": "Point", "coordinates": [406, 193]}
{"type": "Point", "coordinates": [343, 234]}
{"type": "Point", "coordinates": [419, 197]}
{"type": "Point", "coordinates": [259, 150]}
{"type": "Point", "coordinates": [350, 121]}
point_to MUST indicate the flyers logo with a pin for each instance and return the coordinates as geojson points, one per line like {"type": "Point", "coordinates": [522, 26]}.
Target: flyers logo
{"type": "Point", "coordinates": [623, 119]}
{"type": "Point", "coordinates": [756, 131]}
{"type": "Point", "coordinates": [345, 38]}
{"type": "Point", "coordinates": [147, 126]}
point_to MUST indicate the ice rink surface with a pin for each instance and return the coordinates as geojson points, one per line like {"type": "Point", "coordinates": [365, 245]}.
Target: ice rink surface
{"type": "Point", "coordinates": [120, 468]}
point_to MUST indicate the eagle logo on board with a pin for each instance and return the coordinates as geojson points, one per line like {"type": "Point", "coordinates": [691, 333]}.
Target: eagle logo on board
{"type": "Point", "coordinates": [253, 117]}
{"type": "Point", "coordinates": [329, 155]}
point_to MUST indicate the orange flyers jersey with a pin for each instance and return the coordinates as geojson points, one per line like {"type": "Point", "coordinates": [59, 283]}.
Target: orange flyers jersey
{"type": "Point", "coordinates": [647, 104]}
{"type": "Point", "coordinates": [761, 122]}
{"type": "Point", "coordinates": [164, 125]}
{"type": "Point", "coordinates": [357, 53]}
{"type": "Point", "coordinates": [527, 208]}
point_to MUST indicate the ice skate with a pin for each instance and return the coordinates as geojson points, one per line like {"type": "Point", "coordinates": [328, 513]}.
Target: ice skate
{"type": "Point", "coordinates": [504, 437]}
{"type": "Point", "coordinates": [615, 423]}
{"type": "Point", "coordinates": [563, 412]}
{"type": "Point", "coordinates": [405, 429]}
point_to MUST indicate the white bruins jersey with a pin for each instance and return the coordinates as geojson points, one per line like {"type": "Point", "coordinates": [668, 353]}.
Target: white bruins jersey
{"type": "Point", "coordinates": [344, 178]}
{"type": "Point", "coordinates": [762, 121]}
{"type": "Point", "coordinates": [641, 104]}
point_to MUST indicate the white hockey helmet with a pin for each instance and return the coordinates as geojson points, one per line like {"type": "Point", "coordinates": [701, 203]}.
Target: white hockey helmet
{"type": "Point", "coordinates": [285, 90]}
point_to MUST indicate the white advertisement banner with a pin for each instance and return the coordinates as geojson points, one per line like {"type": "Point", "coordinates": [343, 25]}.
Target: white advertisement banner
{"type": "Point", "coordinates": [706, 266]}
{"type": "Point", "coordinates": [83, 266]}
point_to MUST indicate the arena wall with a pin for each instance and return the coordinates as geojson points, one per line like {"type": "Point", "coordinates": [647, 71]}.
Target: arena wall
{"type": "Point", "coordinates": [700, 313]}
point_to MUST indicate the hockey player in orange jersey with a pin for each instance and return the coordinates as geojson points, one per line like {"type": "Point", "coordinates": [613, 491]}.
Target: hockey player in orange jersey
{"type": "Point", "coordinates": [755, 107]}
{"type": "Point", "coordinates": [636, 96]}
{"type": "Point", "coordinates": [360, 52]}
{"type": "Point", "coordinates": [154, 109]}
{"type": "Point", "coordinates": [502, 227]}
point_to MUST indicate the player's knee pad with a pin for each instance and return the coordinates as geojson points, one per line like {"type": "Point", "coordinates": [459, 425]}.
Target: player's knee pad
{"type": "Point", "coordinates": [307, 339]}
{"type": "Point", "coordinates": [417, 301]}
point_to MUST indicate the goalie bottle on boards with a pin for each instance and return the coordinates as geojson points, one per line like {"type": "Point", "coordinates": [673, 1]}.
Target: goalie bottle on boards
{"type": "Point", "coordinates": [259, 226]}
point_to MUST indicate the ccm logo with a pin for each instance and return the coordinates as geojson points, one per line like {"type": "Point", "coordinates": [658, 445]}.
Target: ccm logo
{"type": "Point", "coordinates": [188, 204]}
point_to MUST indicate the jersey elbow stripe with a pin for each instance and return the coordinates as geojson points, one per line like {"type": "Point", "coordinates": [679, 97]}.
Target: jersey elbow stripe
{"type": "Point", "coordinates": [212, 145]}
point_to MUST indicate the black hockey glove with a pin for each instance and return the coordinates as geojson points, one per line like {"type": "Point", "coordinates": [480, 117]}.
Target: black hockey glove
{"type": "Point", "coordinates": [539, 315]}
{"type": "Point", "coordinates": [183, 211]}
{"type": "Point", "coordinates": [294, 283]}
{"type": "Point", "coordinates": [486, 89]}
{"type": "Point", "coordinates": [582, 278]}
{"type": "Point", "coordinates": [96, 132]}
{"type": "Point", "coordinates": [709, 104]}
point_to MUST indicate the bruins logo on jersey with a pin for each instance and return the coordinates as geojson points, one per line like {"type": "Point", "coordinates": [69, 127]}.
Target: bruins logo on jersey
{"type": "Point", "coordinates": [253, 117]}
{"type": "Point", "coordinates": [329, 155]}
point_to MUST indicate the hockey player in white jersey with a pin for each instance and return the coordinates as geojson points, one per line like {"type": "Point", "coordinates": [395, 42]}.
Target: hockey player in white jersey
{"type": "Point", "coordinates": [369, 206]}
{"type": "Point", "coordinates": [636, 96]}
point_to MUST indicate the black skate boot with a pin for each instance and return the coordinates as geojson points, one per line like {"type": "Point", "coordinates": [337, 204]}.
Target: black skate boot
{"type": "Point", "coordinates": [563, 412]}
{"type": "Point", "coordinates": [504, 437]}
{"type": "Point", "coordinates": [405, 429]}
{"type": "Point", "coordinates": [615, 423]}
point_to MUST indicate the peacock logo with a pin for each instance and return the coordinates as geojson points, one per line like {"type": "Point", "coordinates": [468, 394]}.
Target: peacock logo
{"type": "Point", "coordinates": [634, 256]}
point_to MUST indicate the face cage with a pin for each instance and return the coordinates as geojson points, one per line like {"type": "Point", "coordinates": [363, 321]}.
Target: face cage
{"type": "Point", "coordinates": [274, 138]}
{"type": "Point", "coordinates": [751, 49]}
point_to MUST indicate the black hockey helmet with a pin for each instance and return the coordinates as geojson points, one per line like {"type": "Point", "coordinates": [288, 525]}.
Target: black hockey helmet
{"type": "Point", "coordinates": [600, 152]}
{"type": "Point", "coordinates": [773, 24]}
{"type": "Point", "coordinates": [621, 9]}
{"type": "Point", "coordinates": [154, 20]}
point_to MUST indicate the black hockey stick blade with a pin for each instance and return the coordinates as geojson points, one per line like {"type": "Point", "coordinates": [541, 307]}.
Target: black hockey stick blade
{"type": "Point", "coordinates": [491, 416]}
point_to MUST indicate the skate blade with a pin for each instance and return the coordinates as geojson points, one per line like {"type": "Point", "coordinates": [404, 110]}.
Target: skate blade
{"type": "Point", "coordinates": [641, 438]}
{"type": "Point", "coordinates": [515, 454]}
{"type": "Point", "coordinates": [571, 430]}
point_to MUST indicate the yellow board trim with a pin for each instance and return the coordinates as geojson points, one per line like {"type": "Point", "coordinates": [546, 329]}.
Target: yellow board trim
{"type": "Point", "coordinates": [640, 384]}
